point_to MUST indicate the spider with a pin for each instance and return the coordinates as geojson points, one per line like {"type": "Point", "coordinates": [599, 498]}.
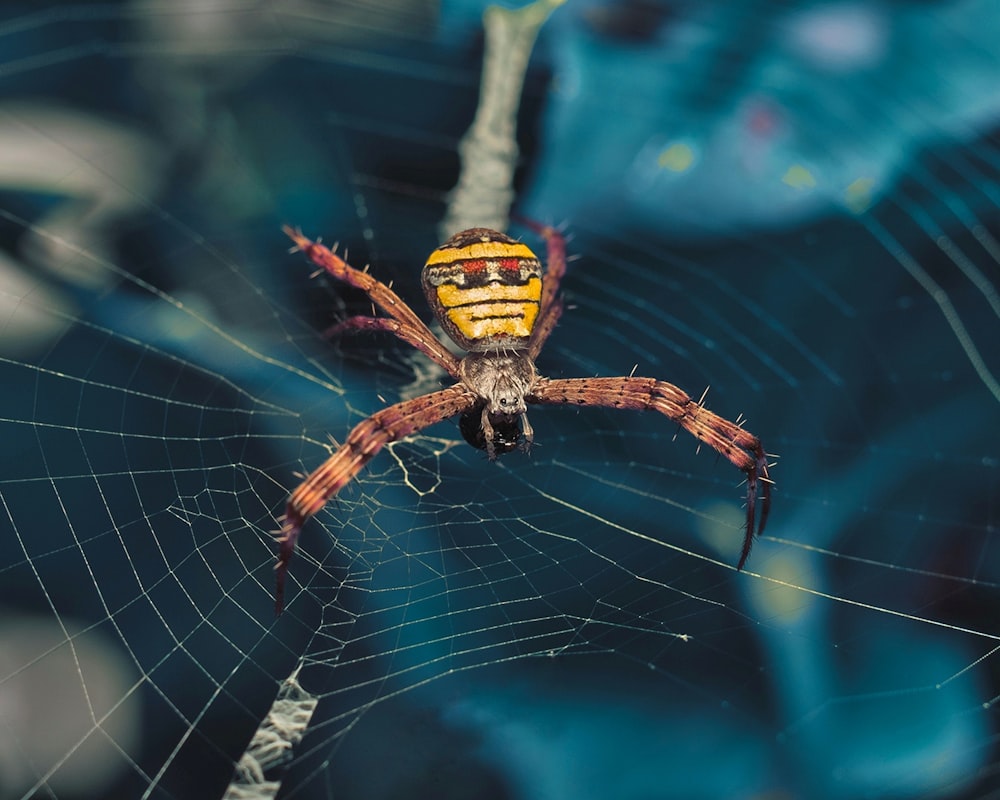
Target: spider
{"type": "Point", "coordinates": [488, 293]}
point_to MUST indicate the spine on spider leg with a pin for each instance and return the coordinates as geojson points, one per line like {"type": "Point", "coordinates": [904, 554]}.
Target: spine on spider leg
{"type": "Point", "coordinates": [316, 491]}
{"type": "Point", "coordinates": [739, 446]}
{"type": "Point", "coordinates": [327, 259]}
{"type": "Point", "coordinates": [758, 474]}
{"type": "Point", "coordinates": [326, 481]}
{"type": "Point", "coordinates": [363, 442]}
{"type": "Point", "coordinates": [404, 323]}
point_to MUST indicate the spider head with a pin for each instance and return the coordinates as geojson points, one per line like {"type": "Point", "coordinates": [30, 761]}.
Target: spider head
{"type": "Point", "coordinates": [501, 380]}
{"type": "Point", "coordinates": [497, 424]}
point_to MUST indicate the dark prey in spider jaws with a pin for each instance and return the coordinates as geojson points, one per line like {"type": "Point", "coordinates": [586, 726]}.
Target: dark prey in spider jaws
{"type": "Point", "coordinates": [489, 294]}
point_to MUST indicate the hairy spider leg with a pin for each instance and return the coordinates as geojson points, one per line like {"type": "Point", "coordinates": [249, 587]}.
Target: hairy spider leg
{"type": "Point", "coordinates": [363, 442]}
{"type": "Point", "coordinates": [380, 294]}
{"type": "Point", "coordinates": [555, 268]}
{"type": "Point", "coordinates": [742, 448]}
{"type": "Point", "coordinates": [415, 337]}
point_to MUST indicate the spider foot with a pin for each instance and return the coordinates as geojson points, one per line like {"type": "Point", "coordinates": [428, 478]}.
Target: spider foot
{"type": "Point", "coordinates": [296, 235]}
{"type": "Point", "coordinates": [758, 480]}
{"type": "Point", "coordinates": [545, 231]}
{"type": "Point", "coordinates": [288, 536]}
{"type": "Point", "coordinates": [303, 244]}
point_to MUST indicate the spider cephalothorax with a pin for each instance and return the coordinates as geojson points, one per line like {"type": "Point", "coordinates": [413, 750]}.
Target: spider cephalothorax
{"type": "Point", "coordinates": [502, 382]}
{"type": "Point", "coordinates": [488, 293]}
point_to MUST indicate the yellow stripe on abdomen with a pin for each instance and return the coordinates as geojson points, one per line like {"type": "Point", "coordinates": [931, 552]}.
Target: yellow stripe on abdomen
{"type": "Point", "coordinates": [485, 289]}
{"type": "Point", "coordinates": [452, 296]}
{"type": "Point", "coordinates": [480, 250]}
{"type": "Point", "coordinates": [482, 321]}
{"type": "Point", "coordinates": [494, 310]}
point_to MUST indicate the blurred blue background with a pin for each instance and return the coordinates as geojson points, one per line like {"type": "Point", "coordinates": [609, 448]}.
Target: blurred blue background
{"type": "Point", "coordinates": [794, 204]}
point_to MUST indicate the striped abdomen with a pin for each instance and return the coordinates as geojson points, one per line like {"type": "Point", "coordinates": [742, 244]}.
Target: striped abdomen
{"type": "Point", "coordinates": [485, 289]}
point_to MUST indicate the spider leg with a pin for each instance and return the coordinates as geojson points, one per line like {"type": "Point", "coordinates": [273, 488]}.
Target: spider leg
{"type": "Point", "coordinates": [545, 324]}
{"type": "Point", "coordinates": [741, 447]}
{"type": "Point", "coordinates": [415, 337]}
{"type": "Point", "coordinates": [363, 442]}
{"type": "Point", "coordinates": [555, 268]}
{"type": "Point", "coordinates": [381, 295]}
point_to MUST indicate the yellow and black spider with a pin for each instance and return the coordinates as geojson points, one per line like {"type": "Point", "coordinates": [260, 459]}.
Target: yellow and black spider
{"type": "Point", "coordinates": [487, 291]}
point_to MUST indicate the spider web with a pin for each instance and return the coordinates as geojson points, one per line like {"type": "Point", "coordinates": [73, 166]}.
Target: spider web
{"type": "Point", "coordinates": [794, 205]}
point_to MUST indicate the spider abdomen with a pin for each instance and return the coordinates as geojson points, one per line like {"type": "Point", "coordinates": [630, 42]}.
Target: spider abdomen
{"type": "Point", "coordinates": [485, 289]}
